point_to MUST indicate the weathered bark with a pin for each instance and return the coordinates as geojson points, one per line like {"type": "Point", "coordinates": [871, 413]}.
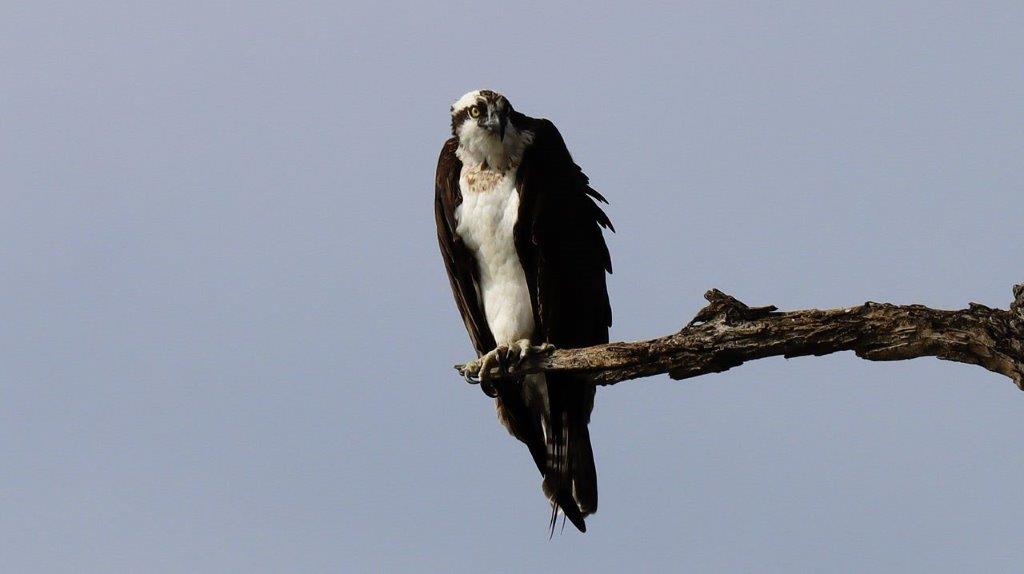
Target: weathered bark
{"type": "Point", "coordinates": [728, 333]}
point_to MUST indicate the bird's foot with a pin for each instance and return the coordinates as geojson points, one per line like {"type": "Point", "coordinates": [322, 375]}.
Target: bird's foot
{"type": "Point", "coordinates": [496, 364]}
{"type": "Point", "coordinates": [479, 370]}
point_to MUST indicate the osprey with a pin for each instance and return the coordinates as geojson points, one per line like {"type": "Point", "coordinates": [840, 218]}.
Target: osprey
{"type": "Point", "coordinates": [520, 231]}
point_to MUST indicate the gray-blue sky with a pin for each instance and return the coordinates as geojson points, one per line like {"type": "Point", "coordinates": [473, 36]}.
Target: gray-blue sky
{"type": "Point", "coordinates": [226, 333]}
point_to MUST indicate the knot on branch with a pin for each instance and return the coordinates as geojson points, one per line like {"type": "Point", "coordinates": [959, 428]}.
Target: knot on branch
{"type": "Point", "coordinates": [729, 309]}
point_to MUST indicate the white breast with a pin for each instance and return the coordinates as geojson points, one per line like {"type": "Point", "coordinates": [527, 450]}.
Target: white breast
{"type": "Point", "coordinates": [486, 222]}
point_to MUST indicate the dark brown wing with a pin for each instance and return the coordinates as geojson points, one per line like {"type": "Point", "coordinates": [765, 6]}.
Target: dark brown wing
{"type": "Point", "coordinates": [458, 260]}
{"type": "Point", "coordinates": [560, 241]}
{"type": "Point", "coordinates": [561, 244]}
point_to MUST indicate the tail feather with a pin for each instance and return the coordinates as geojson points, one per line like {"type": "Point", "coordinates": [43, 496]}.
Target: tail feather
{"type": "Point", "coordinates": [562, 501]}
{"type": "Point", "coordinates": [584, 475]}
{"type": "Point", "coordinates": [570, 479]}
{"type": "Point", "coordinates": [550, 415]}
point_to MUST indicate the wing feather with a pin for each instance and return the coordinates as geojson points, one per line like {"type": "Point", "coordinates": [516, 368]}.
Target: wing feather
{"type": "Point", "coordinates": [560, 240]}
{"type": "Point", "coordinates": [458, 260]}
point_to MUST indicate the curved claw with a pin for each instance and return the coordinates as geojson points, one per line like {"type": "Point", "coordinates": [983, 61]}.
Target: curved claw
{"type": "Point", "coordinates": [476, 379]}
{"type": "Point", "coordinates": [471, 372]}
{"type": "Point", "coordinates": [488, 389]}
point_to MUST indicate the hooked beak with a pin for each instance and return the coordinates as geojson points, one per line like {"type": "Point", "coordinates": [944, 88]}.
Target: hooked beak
{"type": "Point", "coordinates": [496, 124]}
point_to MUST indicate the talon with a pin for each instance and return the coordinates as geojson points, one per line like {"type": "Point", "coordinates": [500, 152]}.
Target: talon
{"type": "Point", "coordinates": [489, 389]}
{"type": "Point", "coordinates": [471, 371]}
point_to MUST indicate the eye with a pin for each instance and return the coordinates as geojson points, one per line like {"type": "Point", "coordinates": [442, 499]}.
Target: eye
{"type": "Point", "coordinates": [474, 111]}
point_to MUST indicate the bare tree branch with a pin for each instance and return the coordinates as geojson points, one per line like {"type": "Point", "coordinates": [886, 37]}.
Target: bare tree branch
{"type": "Point", "coordinates": [728, 333]}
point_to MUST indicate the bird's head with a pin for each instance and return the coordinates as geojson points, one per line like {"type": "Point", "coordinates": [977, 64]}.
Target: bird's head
{"type": "Point", "coordinates": [480, 114]}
